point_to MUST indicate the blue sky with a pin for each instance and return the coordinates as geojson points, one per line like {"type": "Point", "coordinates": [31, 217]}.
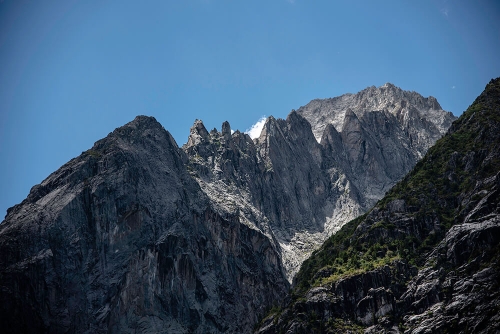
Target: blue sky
{"type": "Point", "coordinates": [72, 71]}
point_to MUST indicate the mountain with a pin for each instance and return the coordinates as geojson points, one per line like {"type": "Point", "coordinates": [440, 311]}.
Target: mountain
{"type": "Point", "coordinates": [386, 130]}
{"type": "Point", "coordinates": [327, 163]}
{"type": "Point", "coordinates": [139, 235]}
{"type": "Point", "coordinates": [425, 258]}
{"type": "Point", "coordinates": [412, 110]}
{"type": "Point", "coordinates": [121, 239]}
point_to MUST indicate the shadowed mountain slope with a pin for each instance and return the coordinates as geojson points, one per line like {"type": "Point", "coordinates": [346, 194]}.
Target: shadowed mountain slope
{"type": "Point", "coordinates": [121, 239]}
{"type": "Point", "coordinates": [299, 189]}
{"type": "Point", "coordinates": [139, 235]}
{"type": "Point", "coordinates": [426, 258]}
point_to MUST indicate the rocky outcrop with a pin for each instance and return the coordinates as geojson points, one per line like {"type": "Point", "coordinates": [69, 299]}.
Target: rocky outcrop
{"type": "Point", "coordinates": [138, 235]}
{"type": "Point", "coordinates": [299, 191]}
{"type": "Point", "coordinates": [275, 184]}
{"type": "Point", "coordinates": [426, 258]}
{"type": "Point", "coordinates": [122, 239]}
{"type": "Point", "coordinates": [386, 130]}
{"type": "Point", "coordinates": [421, 116]}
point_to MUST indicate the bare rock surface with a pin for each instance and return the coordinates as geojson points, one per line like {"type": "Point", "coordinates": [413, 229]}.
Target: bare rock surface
{"type": "Point", "coordinates": [425, 258]}
{"type": "Point", "coordinates": [304, 177]}
{"type": "Point", "coordinates": [414, 112]}
{"type": "Point", "coordinates": [121, 239]}
{"type": "Point", "coordinates": [139, 235]}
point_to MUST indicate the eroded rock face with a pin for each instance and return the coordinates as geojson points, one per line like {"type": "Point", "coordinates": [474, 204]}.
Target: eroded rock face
{"type": "Point", "coordinates": [276, 184]}
{"type": "Point", "coordinates": [327, 163]}
{"type": "Point", "coordinates": [426, 258]}
{"type": "Point", "coordinates": [386, 130]}
{"type": "Point", "coordinates": [122, 239]}
{"type": "Point", "coordinates": [422, 116]}
{"type": "Point", "coordinates": [137, 235]}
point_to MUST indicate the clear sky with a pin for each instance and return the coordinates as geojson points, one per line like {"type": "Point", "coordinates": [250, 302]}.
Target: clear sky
{"type": "Point", "coordinates": [72, 71]}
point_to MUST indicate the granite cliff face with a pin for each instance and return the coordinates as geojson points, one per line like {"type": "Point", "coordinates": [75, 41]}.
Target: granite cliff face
{"type": "Point", "coordinates": [122, 239]}
{"type": "Point", "coordinates": [327, 163]}
{"type": "Point", "coordinates": [386, 130]}
{"type": "Point", "coordinates": [422, 117]}
{"type": "Point", "coordinates": [139, 235]}
{"type": "Point", "coordinates": [424, 259]}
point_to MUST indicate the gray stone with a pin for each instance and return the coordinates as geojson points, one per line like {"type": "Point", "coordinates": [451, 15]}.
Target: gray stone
{"type": "Point", "coordinates": [443, 220]}
{"type": "Point", "coordinates": [299, 191]}
{"type": "Point", "coordinates": [121, 239]}
{"type": "Point", "coordinates": [137, 235]}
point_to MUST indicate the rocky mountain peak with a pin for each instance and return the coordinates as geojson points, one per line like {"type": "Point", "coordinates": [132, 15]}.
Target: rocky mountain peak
{"type": "Point", "coordinates": [226, 130]}
{"type": "Point", "coordinates": [331, 137]}
{"type": "Point", "coordinates": [137, 234]}
{"type": "Point", "coordinates": [143, 121]}
{"type": "Point", "coordinates": [198, 134]}
{"type": "Point", "coordinates": [425, 258]}
{"type": "Point", "coordinates": [141, 130]}
{"type": "Point", "coordinates": [299, 191]}
{"type": "Point", "coordinates": [138, 127]}
{"type": "Point", "coordinates": [388, 98]}
{"type": "Point", "coordinates": [299, 127]}
{"type": "Point", "coordinates": [123, 238]}
{"type": "Point", "coordinates": [434, 104]}
{"type": "Point", "coordinates": [349, 116]}
{"type": "Point", "coordinates": [389, 85]}
{"type": "Point", "coordinates": [269, 129]}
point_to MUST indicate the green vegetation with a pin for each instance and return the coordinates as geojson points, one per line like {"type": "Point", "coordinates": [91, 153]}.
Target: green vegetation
{"type": "Point", "coordinates": [343, 256]}
{"type": "Point", "coordinates": [434, 193]}
{"type": "Point", "coordinates": [93, 153]}
{"type": "Point", "coordinates": [356, 265]}
{"type": "Point", "coordinates": [336, 247]}
{"type": "Point", "coordinates": [343, 326]}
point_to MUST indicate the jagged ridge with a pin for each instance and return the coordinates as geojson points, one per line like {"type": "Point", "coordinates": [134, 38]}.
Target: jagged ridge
{"type": "Point", "coordinates": [136, 234]}
{"type": "Point", "coordinates": [299, 191]}
{"type": "Point", "coordinates": [122, 239]}
{"type": "Point", "coordinates": [426, 257]}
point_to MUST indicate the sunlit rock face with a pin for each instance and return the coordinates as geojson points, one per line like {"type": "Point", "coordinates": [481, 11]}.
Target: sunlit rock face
{"type": "Point", "coordinates": [122, 239]}
{"type": "Point", "coordinates": [425, 258]}
{"type": "Point", "coordinates": [422, 116]}
{"type": "Point", "coordinates": [139, 235]}
{"type": "Point", "coordinates": [328, 162]}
